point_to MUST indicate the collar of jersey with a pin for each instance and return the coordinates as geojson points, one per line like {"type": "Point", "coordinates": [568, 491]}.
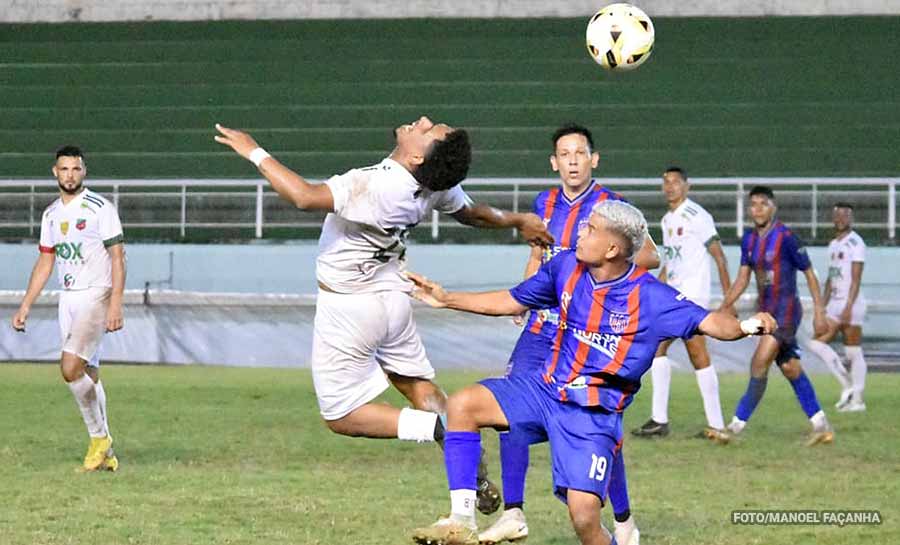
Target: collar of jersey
{"type": "Point", "coordinates": [77, 198]}
{"type": "Point", "coordinates": [680, 207]}
{"type": "Point", "coordinates": [581, 195]}
{"type": "Point", "coordinates": [614, 281]}
{"type": "Point", "coordinates": [409, 178]}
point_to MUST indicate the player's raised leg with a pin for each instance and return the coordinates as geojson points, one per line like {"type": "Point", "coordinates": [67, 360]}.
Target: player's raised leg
{"type": "Point", "coordinates": [819, 347]}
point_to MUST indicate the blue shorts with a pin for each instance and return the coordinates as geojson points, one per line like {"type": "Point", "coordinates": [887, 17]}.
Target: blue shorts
{"type": "Point", "coordinates": [584, 441]}
{"type": "Point", "coordinates": [529, 355]}
{"type": "Point", "coordinates": [788, 316]}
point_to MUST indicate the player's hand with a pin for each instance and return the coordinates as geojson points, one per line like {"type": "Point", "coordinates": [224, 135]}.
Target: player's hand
{"type": "Point", "coordinates": [239, 141]}
{"type": "Point", "coordinates": [534, 231]}
{"type": "Point", "coordinates": [430, 293]}
{"type": "Point", "coordinates": [114, 318]}
{"type": "Point", "coordinates": [519, 319]}
{"type": "Point", "coordinates": [19, 318]}
{"type": "Point", "coordinates": [767, 324]}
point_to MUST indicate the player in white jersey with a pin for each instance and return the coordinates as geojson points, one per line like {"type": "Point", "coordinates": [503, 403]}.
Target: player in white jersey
{"type": "Point", "coordinates": [845, 307]}
{"type": "Point", "coordinates": [689, 239]}
{"type": "Point", "coordinates": [364, 334]}
{"type": "Point", "coordinates": [82, 234]}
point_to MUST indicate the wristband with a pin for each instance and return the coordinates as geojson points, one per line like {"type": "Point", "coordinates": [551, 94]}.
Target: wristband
{"type": "Point", "coordinates": [751, 326]}
{"type": "Point", "coordinates": [258, 155]}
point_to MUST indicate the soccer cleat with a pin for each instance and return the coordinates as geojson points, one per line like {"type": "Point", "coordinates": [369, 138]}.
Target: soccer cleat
{"type": "Point", "coordinates": [487, 496]}
{"type": "Point", "coordinates": [651, 428]}
{"type": "Point", "coordinates": [628, 538]}
{"type": "Point", "coordinates": [96, 453]}
{"type": "Point", "coordinates": [446, 531]}
{"type": "Point", "coordinates": [852, 407]}
{"type": "Point", "coordinates": [821, 436]}
{"type": "Point", "coordinates": [846, 397]}
{"type": "Point", "coordinates": [511, 526]}
{"type": "Point", "coordinates": [111, 463]}
{"type": "Point", "coordinates": [717, 436]}
{"type": "Point", "coordinates": [736, 426]}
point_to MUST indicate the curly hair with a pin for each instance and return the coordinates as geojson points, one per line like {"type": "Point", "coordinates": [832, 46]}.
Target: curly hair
{"type": "Point", "coordinates": [447, 163]}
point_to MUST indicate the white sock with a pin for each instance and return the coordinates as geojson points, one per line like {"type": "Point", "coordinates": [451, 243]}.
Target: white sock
{"type": "Point", "coordinates": [101, 400]}
{"type": "Point", "coordinates": [661, 375]}
{"type": "Point", "coordinates": [623, 530]}
{"type": "Point", "coordinates": [832, 360]}
{"type": "Point", "coordinates": [415, 425]}
{"type": "Point", "coordinates": [708, 382]}
{"type": "Point", "coordinates": [462, 505]}
{"type": "Point", "coordinates": [858, 370]}
{"type": "Point", "coordinates": [737, 425]}
{"type": "Point", "coordinates": [818, 420]}
{"type": "Point", "coordinates": [86, 398]}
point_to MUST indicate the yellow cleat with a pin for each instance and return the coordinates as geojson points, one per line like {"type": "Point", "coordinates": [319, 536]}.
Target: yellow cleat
{"type": "Point", "coordinates": [111, 463]}
{"type": "Point", "coordinates": [97, 453]}
{"type": "Point", "coordinates": [821, 437]}
{"type": "Point", "coordinates": [720, 437]}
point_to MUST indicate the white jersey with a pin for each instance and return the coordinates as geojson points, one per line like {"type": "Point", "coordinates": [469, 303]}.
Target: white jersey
{"type": "Point", "coordinates": [843, 252]}
{"type": "Point", "coordinates": [79, 234]}
{"type": "Point", "coordinates": [687, 233]}
{"type": "Point", "coordinates": [362, 248]}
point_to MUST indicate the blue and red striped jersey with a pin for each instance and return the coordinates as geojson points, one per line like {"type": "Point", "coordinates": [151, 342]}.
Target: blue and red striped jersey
{"type": "Point", "coordinates": [563, 217]}
{"type": "Point", "coordinates": [609, 331]}
{"type": "Point", "coordinates": [775, 257]}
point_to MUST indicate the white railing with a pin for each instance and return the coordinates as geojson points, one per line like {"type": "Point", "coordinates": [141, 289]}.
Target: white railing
{"type": "Point", "coordinates": [258, 199]}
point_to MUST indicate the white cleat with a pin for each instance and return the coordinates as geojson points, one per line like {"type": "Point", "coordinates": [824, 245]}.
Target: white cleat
{"type": "Point", "coordinates": [736, 425]}
{"type": "Point", "coordinates": [627, 533]}
{"type": "Point", "coordinates": [846, 396]}
{"type": "Point", "coordinates": [511, 526]}
{"type": "Point", "coordinates": [853, 407]}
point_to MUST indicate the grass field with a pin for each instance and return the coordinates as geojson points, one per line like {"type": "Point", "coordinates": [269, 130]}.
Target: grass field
{"type": "Point", "coordinates": [215, 455]}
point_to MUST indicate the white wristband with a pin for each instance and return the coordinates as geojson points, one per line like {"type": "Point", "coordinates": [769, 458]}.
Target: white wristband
{"type": "Point", "coordinates": [258, 155]}
{"type": "Point", "coordinates": [751, 326]}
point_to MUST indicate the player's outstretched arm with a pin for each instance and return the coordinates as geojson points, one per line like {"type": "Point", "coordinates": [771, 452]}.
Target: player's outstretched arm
{"type": "Point", "coordinates": [489, 303]}
{"type": "Point", "coordinates": [43, 267]}
{"type": "Point", "coordinates": [288, 184]}
{"type": "Point", "coordinates": [723, 326]}
{"type": "Point", "coordinates": [482, 215]}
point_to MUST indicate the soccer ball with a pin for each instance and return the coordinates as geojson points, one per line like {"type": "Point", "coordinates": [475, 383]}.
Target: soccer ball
{"type": "Point", "coordinates": [620, 37]}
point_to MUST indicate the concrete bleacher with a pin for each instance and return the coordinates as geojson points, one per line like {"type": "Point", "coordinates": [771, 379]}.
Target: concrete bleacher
{"type": "Point", "coordinates": [724, 97]}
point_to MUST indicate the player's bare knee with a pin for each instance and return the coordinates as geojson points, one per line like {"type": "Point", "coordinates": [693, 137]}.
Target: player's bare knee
{"type": "Point", "coordinates": [342, 426]}
{"type": "Point", "coordinates": [461, 406]}
{"type": "Point", "coordinates": [71, 366]}
{"type": "Point", "coordinates": [585, 516]}
{"type": "Point", "coordinates": [791, 370]}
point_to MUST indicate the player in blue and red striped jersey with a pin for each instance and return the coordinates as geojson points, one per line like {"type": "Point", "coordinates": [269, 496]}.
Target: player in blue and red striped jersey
{"type": "Point", "coordinates": [564, 209]}
{"type": "Point", "coordinates": [774, 254]}
{"type": "Point", "coordinates": [613, 315]}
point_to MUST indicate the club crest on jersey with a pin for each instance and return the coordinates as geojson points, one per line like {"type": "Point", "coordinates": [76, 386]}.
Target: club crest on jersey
{"type": "Point", "coordinates": [618, 322]}
{"type": "Point", "coordinates": [64, 228]}
{"type": "Point", "coordinates": [81, 224]}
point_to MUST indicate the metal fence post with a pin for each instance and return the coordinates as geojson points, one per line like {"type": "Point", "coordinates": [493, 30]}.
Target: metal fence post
{"type": "Point", "coordinates": [815, 210]}
{"type": "Point", "coordinates": [435, 217]}
{"type": "Point", "coordinates": [892, 209]}
{"type": "Point", "coordinates": [515, 205]}
{"type": "Point", "coordinates": [31, 212]}
{"type": "Point", "coordinates": [739, 209]}
{"type": "Point", "coordinates": [259, 209]}
{"type": "Point", "coordinates": [116, 196]}
{"type": "Point", "coordinates": [183, 209]}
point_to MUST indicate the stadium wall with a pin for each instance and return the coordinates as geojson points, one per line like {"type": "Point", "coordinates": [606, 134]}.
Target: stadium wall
{"type": "Point", "coordinates": [274, 329]}
{"type": "Point", "coordinates": [199, 10]}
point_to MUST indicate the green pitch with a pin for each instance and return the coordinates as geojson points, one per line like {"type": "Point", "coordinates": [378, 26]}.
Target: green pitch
{"type": "Point", "coordinates": [214, 455]}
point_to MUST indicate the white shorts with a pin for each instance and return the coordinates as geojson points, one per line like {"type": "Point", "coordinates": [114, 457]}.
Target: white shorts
{"type": "Point", "coordinates": [835, 307]}
{"type": "Point", "coordinates": [82, 322]}
{"type": "Point", "coordinates": [357, 338]}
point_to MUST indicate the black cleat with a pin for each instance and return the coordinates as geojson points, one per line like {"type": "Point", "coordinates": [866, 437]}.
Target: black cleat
{"type": "Point", "coordinates": [487, 497]}
{"type": "Point", "coordinates": [651, 428]}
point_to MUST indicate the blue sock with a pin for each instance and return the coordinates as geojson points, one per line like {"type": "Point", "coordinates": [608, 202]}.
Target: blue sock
{"type": "Point", "coordinates": [806, 394]}
{"type": "Point", "coordinates": [462, 451]}
{"type": "Point", "coordinates": [618, 489]}
{"type": "Point", "coordinates": [755, 390]}
{"type": "Point", "coordinates": [513, 466]}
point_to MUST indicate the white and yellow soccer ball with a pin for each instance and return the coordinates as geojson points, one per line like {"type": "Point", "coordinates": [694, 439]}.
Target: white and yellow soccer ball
{"type": "Point", "coordinates": [620, 37]}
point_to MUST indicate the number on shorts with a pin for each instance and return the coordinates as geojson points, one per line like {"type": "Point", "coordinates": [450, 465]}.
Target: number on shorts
{"type": "Point", "coordinates": [598, 467]}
